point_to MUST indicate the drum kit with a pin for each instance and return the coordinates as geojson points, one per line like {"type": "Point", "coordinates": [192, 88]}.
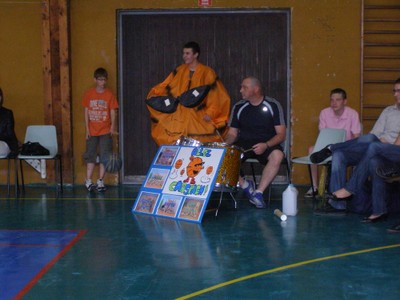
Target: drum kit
{"type": "Point", "coordinates": [228, 174]}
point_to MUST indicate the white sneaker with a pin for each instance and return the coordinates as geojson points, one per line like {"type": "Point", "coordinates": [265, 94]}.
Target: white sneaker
{"type": "Point", "coordinates": [89, 185]}
{"type": "Point", "coordinates": [100, 186]}
{"type": "Point", "coordinates": [309, 193]}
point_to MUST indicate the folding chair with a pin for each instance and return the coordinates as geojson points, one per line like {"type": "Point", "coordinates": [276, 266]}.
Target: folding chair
{"type": "Point", "coordinates": [46, 135]}
{"type": "Point", "coordinates": [325, 137]}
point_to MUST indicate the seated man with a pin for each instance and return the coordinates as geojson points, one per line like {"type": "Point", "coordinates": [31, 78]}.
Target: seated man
{"type": "Point", "coordinates": [258, 126]}
{"type": "Point", "coordinates": [350, 153]}
{"type": "Point", "coordinates": [8, 139]}
{"type": "Point", "coordinates": [339, 116]}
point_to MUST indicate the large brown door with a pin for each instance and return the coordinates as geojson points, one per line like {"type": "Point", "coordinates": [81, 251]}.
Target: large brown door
{"type": "Point", "coordinates": [235, 44]}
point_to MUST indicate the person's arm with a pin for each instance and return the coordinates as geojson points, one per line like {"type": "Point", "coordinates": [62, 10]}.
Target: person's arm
{"type": "Point", "coordinates": [355, 128]}
{"type": "Point", "coordinates": [113, 116]}
{"type": "Point", "coordinates": [397, 141]}
{"type": "Point", "coordinates": [275, 140]}
{"type": "Point", "coordinates": [231, 136]}
{"type": "Point", "coordinates": [87, 123]}
{"type": "Point", "coordinates": [12, 140]}
{"type": "Point", "coordinates": [322, 120]}
{"type": "Point", "coordinates": [379, 126]}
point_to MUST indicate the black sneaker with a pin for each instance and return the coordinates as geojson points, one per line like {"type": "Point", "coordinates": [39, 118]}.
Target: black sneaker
{"type": "Point", "coordinates": [321, 155]}
{"type": "Point", "coordinates": [389, 172]}
{"type": "Point", "coordinates": [329, 210]}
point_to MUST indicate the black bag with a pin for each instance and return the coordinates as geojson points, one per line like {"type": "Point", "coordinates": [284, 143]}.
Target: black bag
{"type": "Point", "coordinates": [163, 104]}
{"type": "Point", "coordinates": [34, 149]}
{"type": "Point", "coordinates": [195, 96]}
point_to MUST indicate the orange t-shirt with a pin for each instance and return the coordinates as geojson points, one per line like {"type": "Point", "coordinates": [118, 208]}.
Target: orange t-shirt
{"type": "Point", "coordinates": [99, 106]}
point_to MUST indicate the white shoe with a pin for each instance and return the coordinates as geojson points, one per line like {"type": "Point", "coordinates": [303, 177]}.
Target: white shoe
{"type": "Point", "coordinates": [100, 186]}
{"type": "Point", "coordinates": [89, 185]}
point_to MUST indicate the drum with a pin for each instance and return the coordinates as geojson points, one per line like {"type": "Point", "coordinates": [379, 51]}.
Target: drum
{"type": "Point", "coordinates": [228, 174]}
{"type": "Point", "coordinates": [187, 141]}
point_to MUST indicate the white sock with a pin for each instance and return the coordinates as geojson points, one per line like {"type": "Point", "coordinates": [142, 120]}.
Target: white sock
{"type": "Point", "coordinates": [245, 184]}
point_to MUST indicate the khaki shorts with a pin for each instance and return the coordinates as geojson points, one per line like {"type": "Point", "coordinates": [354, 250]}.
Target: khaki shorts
{"type": "Point", "coordinates": [98, 145]}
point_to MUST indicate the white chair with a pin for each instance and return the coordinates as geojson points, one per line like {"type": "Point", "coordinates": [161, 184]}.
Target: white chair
{"type": "Point", "coordinates": [325, 137]}
{"type": "Point", "coordinates": [46, 135]}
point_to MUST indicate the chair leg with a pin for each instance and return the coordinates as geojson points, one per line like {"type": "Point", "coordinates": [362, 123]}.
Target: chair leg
{"type": "Point", "coordinates": [311, 180]}
{"type": "Point", "coordinates": [16, 181]}
{"type": "Point", "coordinates": [253, 173]}
{"type": "Point", "coordinates": [288, 172]}
{"type": "Point", "coordinates": [8, 178]}
{"type": "Point", "coordinates": [22, 176]}
{"type": "Point", "coordinates": [59, 174]}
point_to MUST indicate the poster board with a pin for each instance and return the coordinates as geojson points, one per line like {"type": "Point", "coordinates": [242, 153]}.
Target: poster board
{"type": "Point", "coordinates": [179, 182]}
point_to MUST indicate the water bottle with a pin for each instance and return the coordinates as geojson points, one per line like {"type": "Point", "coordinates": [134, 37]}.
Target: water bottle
{"type": "Point", "coordinates": [289, 201]}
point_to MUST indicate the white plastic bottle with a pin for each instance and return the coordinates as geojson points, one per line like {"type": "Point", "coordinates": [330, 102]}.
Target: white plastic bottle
{"type": "Point", "coordinates": [289, 200]}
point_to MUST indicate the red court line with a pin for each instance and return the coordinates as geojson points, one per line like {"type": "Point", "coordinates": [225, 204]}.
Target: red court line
{"type": "Point", "coordinates": [50, 264]}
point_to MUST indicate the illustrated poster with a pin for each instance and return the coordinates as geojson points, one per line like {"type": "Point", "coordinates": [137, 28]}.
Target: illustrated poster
{"type": "Point", "coordinates": [179, 182]}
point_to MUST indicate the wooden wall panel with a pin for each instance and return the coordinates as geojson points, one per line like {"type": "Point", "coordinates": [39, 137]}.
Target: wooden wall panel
{"type": "Point", "coordinates": [56, 79]}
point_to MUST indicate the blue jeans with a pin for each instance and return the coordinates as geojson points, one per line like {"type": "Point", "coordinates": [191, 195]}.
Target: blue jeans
{"type": "Point", "coordinates": [376, 155]}
{"type": "Point", "coordinates": [346, 154]}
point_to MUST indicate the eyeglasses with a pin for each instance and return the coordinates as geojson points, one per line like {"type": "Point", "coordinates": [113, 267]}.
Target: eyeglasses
{"type": "Point", "coordinates": [396, 90]}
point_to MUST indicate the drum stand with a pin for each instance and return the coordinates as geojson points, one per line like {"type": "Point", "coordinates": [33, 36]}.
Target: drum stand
{"type": "Point", "coordinates": [223, 189]}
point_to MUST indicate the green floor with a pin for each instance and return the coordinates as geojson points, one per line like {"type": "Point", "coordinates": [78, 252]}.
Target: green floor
{"type": "Point", "coordinates": [245, 253]}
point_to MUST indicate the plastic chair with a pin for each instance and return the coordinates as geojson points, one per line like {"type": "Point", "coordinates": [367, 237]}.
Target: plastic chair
{"type": "Point", "coordinates": [46, 135]}
{"type": "Point", "coordinates": [325, 137]}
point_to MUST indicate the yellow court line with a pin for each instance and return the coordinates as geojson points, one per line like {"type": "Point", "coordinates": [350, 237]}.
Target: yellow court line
{"type": "Point", "coordinates": [283, 268]}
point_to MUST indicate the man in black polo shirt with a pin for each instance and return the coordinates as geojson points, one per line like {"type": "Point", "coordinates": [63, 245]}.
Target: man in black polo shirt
{"type": "Point", "coordinates": [258, 126]}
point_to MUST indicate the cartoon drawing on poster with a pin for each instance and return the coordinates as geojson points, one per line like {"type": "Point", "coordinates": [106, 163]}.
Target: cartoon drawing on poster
{"type": "Point", "coordinates": [191, 209]}
{"type": "Point", "coordinates": [166, 155]}
{"type": "Point", "coordinates": [146, 202]}
{"type": "Point", "coordinates": [192, 164]}
{"type": "Point", "coordinates": [156, 178]}
{"type": "Point", "coordinates": [169, 205]}
{"type": "Point", "coordinates": [178, 163]}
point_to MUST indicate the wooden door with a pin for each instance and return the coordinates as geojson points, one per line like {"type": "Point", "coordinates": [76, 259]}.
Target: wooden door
{"type": "Point", "coordinates": [235, 43]}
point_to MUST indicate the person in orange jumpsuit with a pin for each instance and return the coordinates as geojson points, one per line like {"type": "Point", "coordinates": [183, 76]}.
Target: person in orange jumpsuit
{"type": "Point", "coordinates": [190, 102]}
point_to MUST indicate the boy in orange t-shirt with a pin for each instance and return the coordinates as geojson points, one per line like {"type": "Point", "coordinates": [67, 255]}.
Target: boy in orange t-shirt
{"type": "Point", "coordinates": [100, 117]}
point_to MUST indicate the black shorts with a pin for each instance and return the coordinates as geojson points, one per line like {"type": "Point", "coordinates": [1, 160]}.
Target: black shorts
{"type": "Point", "coordinates": [262, 158]}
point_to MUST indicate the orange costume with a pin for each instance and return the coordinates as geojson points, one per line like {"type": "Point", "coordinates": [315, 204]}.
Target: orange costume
{"type": "Point", "coordinates": [187, 119]}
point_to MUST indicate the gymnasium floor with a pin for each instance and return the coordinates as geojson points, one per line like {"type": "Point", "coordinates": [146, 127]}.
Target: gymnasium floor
{"type": "Point", "coordinates": [83, 246]}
